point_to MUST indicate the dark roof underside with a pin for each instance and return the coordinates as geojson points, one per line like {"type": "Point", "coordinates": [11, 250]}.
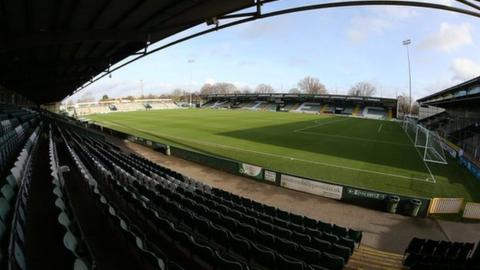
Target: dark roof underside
{"type": "Point", "coordinates": [48, 48]}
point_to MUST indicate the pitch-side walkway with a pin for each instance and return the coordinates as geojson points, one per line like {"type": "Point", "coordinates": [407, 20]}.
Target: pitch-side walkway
{"type": "Point", "coordinates": [383, 231]}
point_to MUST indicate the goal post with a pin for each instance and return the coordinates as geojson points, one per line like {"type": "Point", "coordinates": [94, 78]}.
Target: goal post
{"type": "Point", "coordinates": [427, 141]}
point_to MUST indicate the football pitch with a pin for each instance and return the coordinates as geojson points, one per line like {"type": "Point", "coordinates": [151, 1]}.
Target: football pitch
{"type": "Point", "coordinates": [366, 153]}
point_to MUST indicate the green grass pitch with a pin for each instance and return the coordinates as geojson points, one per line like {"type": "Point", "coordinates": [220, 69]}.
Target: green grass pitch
{"type": "Point", "coordinates": [365, 153]}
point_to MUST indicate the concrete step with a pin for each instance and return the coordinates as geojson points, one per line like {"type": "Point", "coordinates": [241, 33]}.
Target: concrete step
{"type": "Point", "coordinates": [367, 258]}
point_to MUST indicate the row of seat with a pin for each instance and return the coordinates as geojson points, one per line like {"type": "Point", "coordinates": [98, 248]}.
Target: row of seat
{"type": "Point", "coordinates": [12, 141]}
{"type": "Point", "coordinates": [78, 253]}
{"type": "Point", "coordinates": [130, 193]}
{"type": "Point", "coordinates": [223, 196]}
{"type": "Point", "coordinates": [13, 205]}
{"type": "Point", "coordinates": [282, 233]}
{"type": "Point", "coordinates": [218, 233]}
{"type": "Point", "coordinates": [150, 254]}
{"type": "Point", "coordinates": [432, 254]}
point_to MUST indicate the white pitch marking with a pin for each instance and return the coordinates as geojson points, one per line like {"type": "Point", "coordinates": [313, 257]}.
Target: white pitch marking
{"type": "Point", "coordinates": [380, 128]}
{"type": "Point", "coordinates": [276, 155]}
{"type": "Point", "coordinates": [322, 123]}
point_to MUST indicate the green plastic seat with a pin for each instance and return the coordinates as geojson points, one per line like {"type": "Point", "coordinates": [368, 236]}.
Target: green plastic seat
{"type": "Point", "coordinates": [19, 257]}
{"type": "Point", "coordinates": [64, 220]}
{"type": "Point", "coordinates": [12, 181]}
{"type": "Point", "coordinates": [60, 204]}
{"type": "Point", "coordinates": [8, 192]}
{"type": "Point", "coordinates": [4, 209]}
{"type": "Point", "coordinates": [79, 264]}
{"type": "Point", "coordinates": [70, 242]}
{"type": "Point", "coordinates": [58, 192]}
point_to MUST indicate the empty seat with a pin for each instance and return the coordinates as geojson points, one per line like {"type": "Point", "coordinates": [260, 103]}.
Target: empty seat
{"type": "Point", "coordinates": [287, 263]}
{"type": "Point", "coordinates": [331, 261]}
{"type": "Point", "coordinates": [263, 256]}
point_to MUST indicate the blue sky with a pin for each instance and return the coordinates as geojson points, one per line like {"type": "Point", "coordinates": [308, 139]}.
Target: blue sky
{"type": "Point", "coordinates": [339, 46]}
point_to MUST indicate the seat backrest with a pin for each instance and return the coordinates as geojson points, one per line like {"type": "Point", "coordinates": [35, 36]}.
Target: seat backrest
{"type": "Point", "coordinates": [4, 208]}
{"type": "Point", "coordinates": [70, 242]}
{"type": "Point", "coordinates": [263, 256]}
{"type": "Point", "coordinates": [331, 261]}
{"type": "Point", "coordinates": [320, 244]}
{"type": "Point", "coordinates": [284, 263]}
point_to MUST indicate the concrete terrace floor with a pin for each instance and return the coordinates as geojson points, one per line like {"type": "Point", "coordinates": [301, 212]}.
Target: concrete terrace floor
{"type": "Point", "coordinates": [383, 231]}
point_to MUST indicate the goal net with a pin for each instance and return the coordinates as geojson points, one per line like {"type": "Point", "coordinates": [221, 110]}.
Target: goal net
{"type": "Point", "coordinates": [428, 141]}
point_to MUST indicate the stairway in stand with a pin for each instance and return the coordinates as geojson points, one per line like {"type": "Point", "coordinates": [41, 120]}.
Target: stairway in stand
{"type": "Point", "coordinates": [366, 258]}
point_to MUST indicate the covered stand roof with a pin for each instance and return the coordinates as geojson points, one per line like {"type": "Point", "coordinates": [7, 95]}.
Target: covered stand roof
{"type": "Point", "coordinates": [49, 48]}
{"type": "Point", "coordinates": [466, 92]}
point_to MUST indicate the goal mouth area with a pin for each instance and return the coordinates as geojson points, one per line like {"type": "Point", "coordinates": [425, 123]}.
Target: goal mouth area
{"type": "Point", "coordinates": [429, 142]}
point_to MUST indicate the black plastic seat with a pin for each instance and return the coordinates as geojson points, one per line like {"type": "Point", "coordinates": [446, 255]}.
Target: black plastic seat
{"type": "Point", "coordinates": [341, 251]}
{"type": "Point", "coordinates": [287, 263]}
{"type": "Point", "coordinates": [226, 262]}
{"type": "Point", "coordinates": [346, 242]}
{"type": "Point", "coordinates": [429, 247]}
{"type": "Point", "coordinates": [282, 232]}
{"type": "Point", "coordinates": [203, 254]}
{"type": "Point", "coordinates": [280, 222]}
{"type": "Point", "coordinates": [283, 215]}
{"type": "Point", "coordinates": [301, 238]}
{"type": "Point", "coordinates": [415, 246]}
{"type": "Point", "coordinates": [246, 230]}
{"type": "Point", "coordinates": [268, 227]}
{"type": "Point", "coordinates": [297, 219]}
{"type": "Point", "coordinates": [309, 222]}
{"type": "Point", "coordinates": [265, 218]}
{"type": "Point", "coordinates": [339, 231]}
{"type": "Point", "coordinates": [240, 245]}
{"type": "Point", "coordinates": [329, 237]}
{"type": "Point", "coordinates": [320, 244]}
{"type": "Point", "coordinates": [331, 261]}
{"type": "Point", "coordinates": [219, 236]}
{"type": "Point", "coordinates": [355, 235]}
{"type": "Point", "coordinates": [285, 246]}
{"type": "Point", "coordinates": [308, 255]}
{"type": "Point", "coordinates": [269, 210]}
{"type": "Point", "coordinates": [265, 239]}
{"type": "Point", "coordinates": [324, 227]}
{"type": "Point", "coordinates": [263, 256]}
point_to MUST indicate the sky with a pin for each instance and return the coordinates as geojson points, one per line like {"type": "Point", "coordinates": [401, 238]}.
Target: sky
{"type": "Point", "coordinates": [340, 46]}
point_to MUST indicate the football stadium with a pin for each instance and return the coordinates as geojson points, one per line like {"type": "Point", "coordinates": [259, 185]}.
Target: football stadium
{"type": "Point", "coordinates": [101, 173]}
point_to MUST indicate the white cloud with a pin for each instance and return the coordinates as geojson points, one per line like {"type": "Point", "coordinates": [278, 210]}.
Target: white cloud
{"type": "Point", "coordinates": [362, 27]}
{"type": "Point", "coordinates": [464, 69]}
{"type": "Point", "coordinates": [449, 37]}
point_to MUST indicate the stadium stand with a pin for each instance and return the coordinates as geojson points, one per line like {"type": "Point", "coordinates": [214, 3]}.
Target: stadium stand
{"type": "Point", "coordinates": [82, 109]}
{"type": "Point", "coordinates": [431, 254]}
{"type": "Point", "coordinates": [369, 107]}
{"type": "Point", "coordinates": [164, 219]}
{"type": "Point", "coordinates": [454, 114]}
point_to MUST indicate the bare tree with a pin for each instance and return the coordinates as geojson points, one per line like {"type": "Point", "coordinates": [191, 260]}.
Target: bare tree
{"type": "Point", "coordinates": [224, 88]}
{"type": "Point", "coordinates": [311, 85]}
{"type": "Point", "coordinates": [294, 91]}
{"type": "Point", "coordinates": [264, 89]}
{"type": "Point", "coordinates": [177, 94]}
{"type": "Point", "coordinates": [404, 102]}
{"type": "Point", "coordinates": [206, 89]}
{"type": "Point", "coordinates": [415, 108]}
{"type": "Point", "coordinates": [364, 89]}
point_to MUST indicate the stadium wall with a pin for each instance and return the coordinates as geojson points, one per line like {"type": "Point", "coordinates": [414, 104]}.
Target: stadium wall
{"type": "Point", "coordinates": [354, 195]}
